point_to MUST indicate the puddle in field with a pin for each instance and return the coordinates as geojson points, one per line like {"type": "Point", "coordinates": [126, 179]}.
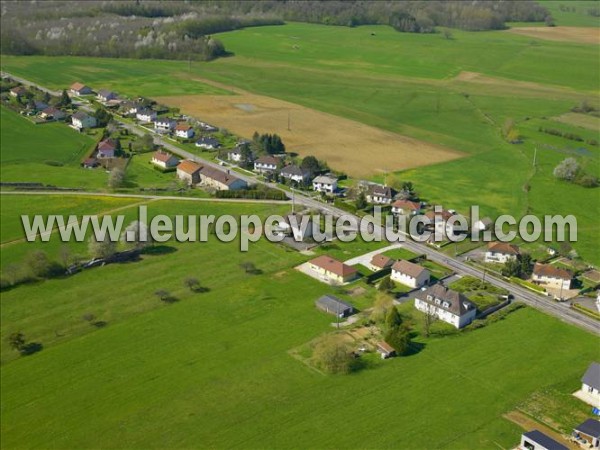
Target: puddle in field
{"type": "Point", "coordinates": [245, 107]}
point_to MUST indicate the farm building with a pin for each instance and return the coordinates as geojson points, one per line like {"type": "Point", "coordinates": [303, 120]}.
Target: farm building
{"type": "Point", "coordinates": [588, 433]}
{"type": "Point", "coordinates": [332, 270]}
{"type": "Point", "coordinates": [81, 120]}
{"type": "Point", "coordinates": [549, 276]}
{"type": "Point", "coordinates": [266, 163]}
{"type": "Point", "coordinates": [410, 274]}
{"type": "Point", "coordinates": [536, 440]}
{"type": "Point", "coordinates": [379, 262]}
{"type": "Point", "coordinates": [450, 306]}
{"type": "Point", "coordinates": [208, 143]}
{"type": "Point", "coordinates": [406, 208]}
{"type": "Point", "coordinates": [333, 305]}
{"type": "Point", "coordinates": [189, 171]}
{"type": "Point", "coordinates": [220, 180]}
{"type": "Point", "coordinates": [294, 173]}
{"type": "Point", "coordinates": [105, 95]}
{"type": "Point", "coordinates": [80, 89]}
{"type": "Point", "coordinates": [501, 252]}
{"type": "Point", "coordinates": [184, 131]}
{"type": "Point", "coordinates": [325, 183]}
{"type": "Point", "coordinates": [164, 160]}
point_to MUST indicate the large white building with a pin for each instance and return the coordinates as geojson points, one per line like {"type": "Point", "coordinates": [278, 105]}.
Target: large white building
{"type": "Point", "coordinates": [447, 305]}
{"type": "Point", "coordinates": [550, 276]}
{"type": "Point", "coordinates": [325, 183]}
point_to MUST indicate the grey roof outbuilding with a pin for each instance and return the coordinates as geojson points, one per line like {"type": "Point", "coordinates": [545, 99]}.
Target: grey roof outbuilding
{"type": "Point", "coordinates": [545, 441]}
{"type": "Point", "coordinates": [334, 305]}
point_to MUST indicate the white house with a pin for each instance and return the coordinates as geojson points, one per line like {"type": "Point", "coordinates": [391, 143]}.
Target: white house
{"type": "Point", "coordinates": [207, 142]}
{"type": "Point", "coordinates": [410, 274]}
{"type": "Point", "coordinates": [440, 222]}
{"type": "Point", "coordinates": [184, 131]}
{"type": "Point", "coordinates": [107, 149]}
{"type": "Point", "coordinates": [82, 120]}
{"type": "Point", "coordinates": [164, 160]}
{"type": "Point", "coordinates": [266, 163]}
{"type": "Point", "coordinates": [406, 208]}
{"type": "Point", "coordinates": [380, 195]}
{"type": "Point", "coordinates": [483, 224]}
{"type": "Point", "coordinates": [105, 95]}
{"type": "Point", "coordinates": [80, 89]}
{"type": "Point", "coordinates": [294, 173]}
{"type": "Point", "coordinates": [296, 225]}
{"type": "Point", "coordinates": [164, 125]}
{"type": "Point", "coordinates": [501, 252]}
{"type": "Point", "coordinates": [590, 384]}
{"type": "Point", "coordinates": [536, 440]}
{"type": "Point", "coordinates": [146, 115]}
{"type": "Point", "coordinates": [447, 305]}
{"type": "Point", "coordinates": [550, 276]}
{"type": "Point", "coordinates": [325, 183]}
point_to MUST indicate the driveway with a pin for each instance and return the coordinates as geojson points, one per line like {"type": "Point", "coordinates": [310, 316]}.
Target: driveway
{"type": "Point", "coordinates": [366, 258]}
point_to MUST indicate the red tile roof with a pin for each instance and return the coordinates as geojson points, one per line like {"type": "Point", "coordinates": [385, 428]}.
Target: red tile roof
{"type": "Point", "coordinates": [107, 145]}
{"type": "Point", "coordinates": [503, 248]}
{"type": "Point", "coordinates": [332, 265]}
{"type": "Point", "coordinates": [406, 204]}
{"type": "Point", "coordinates": [381, 261]}
{"type": "Point", "coordinates": [183, 127]}
{"type": "Point", "coordinates": [548, 270]}
{"type": "Point", "coordinates": [189, 167]}
{"type": "Point", "coordinates": [77, 86]}
{"type": "Point", "coordinates": [162, 156]}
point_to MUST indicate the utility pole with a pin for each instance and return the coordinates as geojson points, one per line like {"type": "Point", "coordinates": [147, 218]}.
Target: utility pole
{"type": "Point", "coordinates": [289, 121]}
{"type": "Point", "coordinates": [534, 155]}
{"type": "Point", "coordinates": [293, 201]}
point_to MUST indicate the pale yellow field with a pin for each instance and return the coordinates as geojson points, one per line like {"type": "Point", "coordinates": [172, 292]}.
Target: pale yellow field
{"type": "Point", "coordinates": [357, 149]}
{"type": "Point", "coordinates": [579, 120]}
{"type": "Point", "coordinates": [581, 35]}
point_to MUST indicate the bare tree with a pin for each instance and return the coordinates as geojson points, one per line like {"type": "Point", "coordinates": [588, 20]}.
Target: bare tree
{"type": "Point", "coordinates": [137, 235]}
{"type": "Point", "coordinates": [192, 284]}
{"type": "Point", "coordinates": [101, 249]}
{"type": "Point", "coordinates": [116, 178]}
{"type": "Point", "coordinates": [430, 319]}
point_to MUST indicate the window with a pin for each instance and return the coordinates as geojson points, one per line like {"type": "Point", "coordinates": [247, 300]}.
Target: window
{"type": "Point", "coordinates": [429, 297]}
{"type": "Point", "coordinates": [528, 445]}
{"type": "Point", "coordinates": [437, 301]}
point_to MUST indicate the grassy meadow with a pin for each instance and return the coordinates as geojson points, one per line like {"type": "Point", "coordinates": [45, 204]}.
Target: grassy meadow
{"type": "Point", "coordinates": [217, 361]}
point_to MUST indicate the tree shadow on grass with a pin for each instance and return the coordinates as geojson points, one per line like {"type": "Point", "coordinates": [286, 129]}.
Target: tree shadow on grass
{"type": "Point", "coordinates": [158, 250]}
{"type": "Point", "coordinates": [200, 290]}
{"type": "Point", "coordinates": [414, 348]}
{"type": "Point", "coordinates": [169, 300]}
{"type": "Point", "coordinates": [31, 348]}
{"type": "Point", "coordinates": [100, 324]}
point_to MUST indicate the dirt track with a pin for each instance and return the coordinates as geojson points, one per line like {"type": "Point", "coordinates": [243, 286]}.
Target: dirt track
{"type": "Point", "coordinates": [345, 144]}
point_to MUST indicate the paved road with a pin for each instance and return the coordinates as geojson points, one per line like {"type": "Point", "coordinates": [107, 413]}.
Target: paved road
{"type": "Point", "coordinates": [543, 303]}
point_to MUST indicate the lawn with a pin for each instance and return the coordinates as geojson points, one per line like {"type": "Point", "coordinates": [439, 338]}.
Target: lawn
{"type": "Point", "coordinates": [30, 153]}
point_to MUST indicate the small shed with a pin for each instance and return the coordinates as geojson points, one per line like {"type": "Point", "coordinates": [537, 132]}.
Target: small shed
{"type": "Point", "coordinates": [385, 350]}
{"type": "Point", "coordinates": [333, 305]}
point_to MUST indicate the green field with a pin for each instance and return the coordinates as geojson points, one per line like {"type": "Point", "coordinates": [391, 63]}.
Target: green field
{"type": "Point", "coordinates": [410, 84]}
{"type": "Point", "coordinates": [27, 148]}
{"type": "Point", "coordinates": [576, 16]}
{"type": "Point", "coordinates": [218, 361]}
